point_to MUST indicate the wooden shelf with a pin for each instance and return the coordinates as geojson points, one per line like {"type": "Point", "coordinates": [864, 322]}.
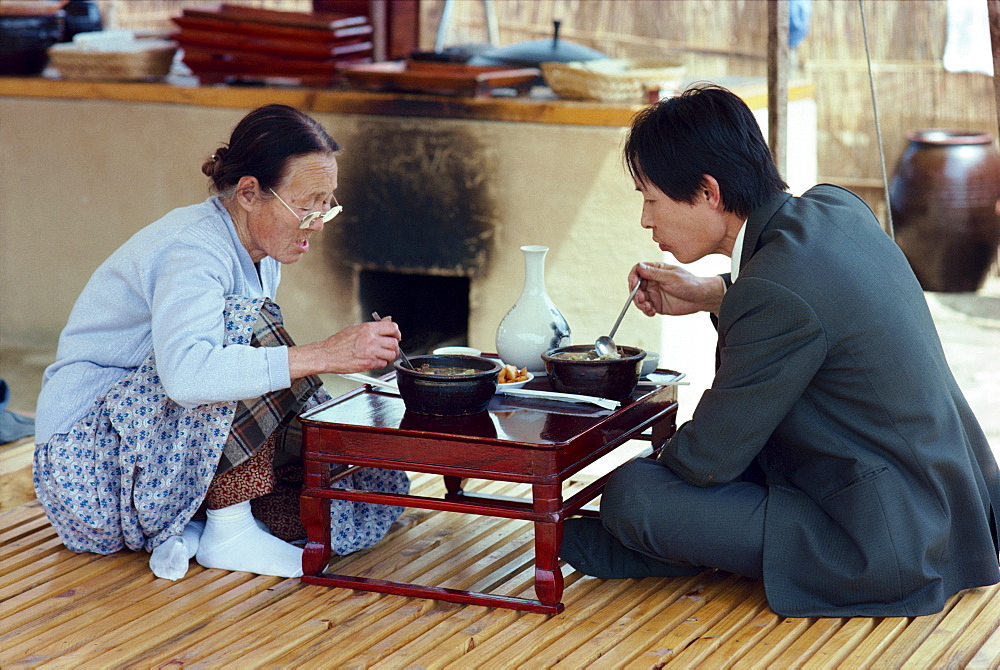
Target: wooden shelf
{"type": "Point", "coordinates": [520, 109]}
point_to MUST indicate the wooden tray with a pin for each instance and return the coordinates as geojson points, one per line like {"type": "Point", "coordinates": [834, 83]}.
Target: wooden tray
{"type": "Point", "coordinates": [312, 20]}
{"type": "Point", "coordinates": [214, 67]}
{"type": "Point", "coordinates": [439, 78]}
{"type": "Point", "coordinates": [209, 22]}
{"type": "Point", "coordinates": [230, 43]}
{"type": "Point", "coordinates": [237, 44]}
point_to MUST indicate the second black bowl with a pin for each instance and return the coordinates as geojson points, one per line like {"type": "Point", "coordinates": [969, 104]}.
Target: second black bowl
{"type": "Point", "coordinates": [613, 378]}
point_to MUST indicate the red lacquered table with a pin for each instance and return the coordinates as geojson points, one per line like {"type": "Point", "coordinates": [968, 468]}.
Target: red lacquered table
{"type": "Point", "coordinates": [527, 440]}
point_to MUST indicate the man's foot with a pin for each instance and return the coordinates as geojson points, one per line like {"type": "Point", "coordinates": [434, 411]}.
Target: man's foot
{"type": "Point", "coordinates": [592, 550]}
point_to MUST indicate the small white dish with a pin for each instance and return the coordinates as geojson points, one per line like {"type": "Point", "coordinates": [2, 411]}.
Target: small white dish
{"type": "Point", "coordinates": [457, 351]}
{"type": "Point", "coordinates": [516, 385]}
{"type": "Point", "coordinates": [649, 363]}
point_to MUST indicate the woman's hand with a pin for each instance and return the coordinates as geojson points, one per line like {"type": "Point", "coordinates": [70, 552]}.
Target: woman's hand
{"type": "Point", "coordinates": [668, 289]}
{"type": "Point", "coordinates": [357, 348]}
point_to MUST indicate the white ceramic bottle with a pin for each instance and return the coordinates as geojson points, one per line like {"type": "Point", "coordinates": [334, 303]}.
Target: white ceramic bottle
{"type": "Point", "coordinates": [534, 324]}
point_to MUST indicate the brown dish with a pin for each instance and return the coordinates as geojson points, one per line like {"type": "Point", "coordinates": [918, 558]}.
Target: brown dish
{"type": "Point", "coordinates": [609, 378]}
{"type": "Point", "coordinates": [438, 78]}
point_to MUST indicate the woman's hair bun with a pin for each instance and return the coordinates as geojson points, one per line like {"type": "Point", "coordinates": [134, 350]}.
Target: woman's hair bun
{"type": "Point", "coordinates": [214, 165]}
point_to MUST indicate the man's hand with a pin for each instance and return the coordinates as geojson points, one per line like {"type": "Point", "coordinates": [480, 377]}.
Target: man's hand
{"type": "Point", "coordinates": [668, 289]}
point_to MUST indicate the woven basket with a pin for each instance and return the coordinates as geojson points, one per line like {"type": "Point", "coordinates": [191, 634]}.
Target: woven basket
{"type": "Point", "coordinates": [150, 62]}
{"type": "Point", "coordinates": [612, 80]}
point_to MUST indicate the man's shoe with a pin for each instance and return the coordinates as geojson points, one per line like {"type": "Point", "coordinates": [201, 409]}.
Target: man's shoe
{"type": "Point", "coordinates": [592, 550]}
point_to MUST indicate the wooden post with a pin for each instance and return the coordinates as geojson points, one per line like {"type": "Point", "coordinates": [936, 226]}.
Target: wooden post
{"type": "Point", "coordinates": [777, 81]}
{"type": "Point", "coordinates": [994, 10]}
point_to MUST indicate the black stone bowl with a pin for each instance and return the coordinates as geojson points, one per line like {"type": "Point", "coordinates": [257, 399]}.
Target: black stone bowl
{"type": "Point", "coordinates": [447, 395]}
{"type": "Point", "coordinates": [613, 378]}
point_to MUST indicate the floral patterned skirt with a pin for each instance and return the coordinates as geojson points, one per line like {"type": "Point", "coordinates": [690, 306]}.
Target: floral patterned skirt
{"type": "Point", "coordinates": [135, 469]}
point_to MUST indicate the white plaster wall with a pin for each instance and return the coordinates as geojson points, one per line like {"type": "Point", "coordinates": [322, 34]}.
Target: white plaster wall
{"type": "Point", "coordinates": [564, 187]}
{"type": "Point", "coordinates": [78, 177]}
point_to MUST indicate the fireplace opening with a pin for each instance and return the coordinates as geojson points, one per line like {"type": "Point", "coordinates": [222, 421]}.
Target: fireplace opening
{"type": "Point", "coordinates": [432, 311]}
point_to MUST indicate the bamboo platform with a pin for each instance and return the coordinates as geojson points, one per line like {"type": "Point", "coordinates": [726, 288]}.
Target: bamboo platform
{"type": "Point", "coordinates": [64, 610]}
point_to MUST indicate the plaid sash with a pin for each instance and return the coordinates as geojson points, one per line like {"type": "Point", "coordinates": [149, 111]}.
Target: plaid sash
{"type": "Point", "coordinates": [256, 419]}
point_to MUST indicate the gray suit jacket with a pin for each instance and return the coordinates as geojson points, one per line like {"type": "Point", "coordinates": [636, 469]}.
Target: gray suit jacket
{"type": "Point", "coordinates": [833, 384]}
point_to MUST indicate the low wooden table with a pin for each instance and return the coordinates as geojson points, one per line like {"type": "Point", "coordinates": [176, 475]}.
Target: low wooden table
{"type": "Point", "coordinates": [537, 442]}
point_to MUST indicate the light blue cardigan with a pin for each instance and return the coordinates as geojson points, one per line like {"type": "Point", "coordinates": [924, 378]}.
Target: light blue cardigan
{"type": "Point", "coordinates": [164, 291]}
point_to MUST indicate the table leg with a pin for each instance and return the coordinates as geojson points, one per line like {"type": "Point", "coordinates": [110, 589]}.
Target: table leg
{"type": "Point", "coordinates": [453, 485]}
{"type": "Point", "coordinates": [663, 431]}
{"type": "Point", "coordinates": [315, 514]}
{"type": "Point", "coordinates": [548, 538]}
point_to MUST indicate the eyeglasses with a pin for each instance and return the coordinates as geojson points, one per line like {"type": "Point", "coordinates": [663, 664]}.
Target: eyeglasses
{"type": "Point", "coordinates": [309, 219]}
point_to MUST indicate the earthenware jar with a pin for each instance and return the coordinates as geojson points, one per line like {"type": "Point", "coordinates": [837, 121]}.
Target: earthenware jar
{"type": "Point", "coordinates": [944, 201]}
{"type": "Point", "coordinates": [534, 324]}
{"type": "Point", "coordinates": [82, 16]}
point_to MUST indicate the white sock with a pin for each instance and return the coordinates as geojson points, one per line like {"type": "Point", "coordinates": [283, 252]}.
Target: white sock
{"type": "Point", "coordinates": [170, 559]}
{"type": "Point", "coordinates": [232, 540]}
{"type": "Point", "coordinates": [192, 536]}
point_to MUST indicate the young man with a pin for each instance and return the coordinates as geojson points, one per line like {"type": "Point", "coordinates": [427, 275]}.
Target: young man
{"type": "Point", "coordinates": [834, 456]}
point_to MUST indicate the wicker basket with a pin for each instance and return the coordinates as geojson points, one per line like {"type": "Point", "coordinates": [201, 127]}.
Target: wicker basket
{"type": "Point", "coordinates": [612, 80]}
{"type": "Point", "coordinates": [152, 61]}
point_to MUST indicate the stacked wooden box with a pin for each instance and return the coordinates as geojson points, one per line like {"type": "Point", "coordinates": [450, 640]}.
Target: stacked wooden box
{"type": "Point", "coordinates": [227, 43]}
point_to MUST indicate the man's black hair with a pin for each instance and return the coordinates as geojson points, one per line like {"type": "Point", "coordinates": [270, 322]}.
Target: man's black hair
{"type": "Point", "coordinates": [706, 130]}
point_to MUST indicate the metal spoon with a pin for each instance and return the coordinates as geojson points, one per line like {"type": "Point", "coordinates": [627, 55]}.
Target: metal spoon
{"type": "Point", "coordinates": [406, 361]}
{"type": "Point", "coordinates": [605, 346]}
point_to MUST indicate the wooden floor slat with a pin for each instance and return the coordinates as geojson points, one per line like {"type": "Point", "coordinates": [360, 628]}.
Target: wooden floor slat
{"type": "Point", "coordinates": [988, 655]}
{"type": "Point", "coordinates": [15, 473]}
{"type": "Point", "coordinates": [941, 648]}
{"type": "Point", "coordinates": [64, 610]}
{"type": "Point", "coordinates": [698, 636]}
{"type": "Point", "coordinates": [831, 654]}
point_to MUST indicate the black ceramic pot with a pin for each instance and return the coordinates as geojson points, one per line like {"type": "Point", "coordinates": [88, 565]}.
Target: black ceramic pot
{"type": "Point", "coordinates": [82, 16]}
{"type": "Point", "coordinates": [536, 52]}
{"type": "Point", "coordinates": [944, 195]}
{"type": "Point", "coordinates": [447, 395]}
{"type": "Point", "coordinates": [24, 41]}
{"type": "Point", "coordinates": [613, 378]}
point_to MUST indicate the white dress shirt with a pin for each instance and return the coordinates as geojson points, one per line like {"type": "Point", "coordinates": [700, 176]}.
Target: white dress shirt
{"type": "Point", "coordinates": [737, 253]}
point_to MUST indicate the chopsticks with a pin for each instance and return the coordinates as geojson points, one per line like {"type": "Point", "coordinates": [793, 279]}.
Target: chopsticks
{"type": "Point", "coordinates": [371, 381]}
{"type": "Point", "coordinates": [564, 397]}
{"type": "Point", "coordinates": [406, 361]}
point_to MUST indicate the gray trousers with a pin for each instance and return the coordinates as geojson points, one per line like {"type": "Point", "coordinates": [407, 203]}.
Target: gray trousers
{"type": "Point", "coordinates": [654, 512]}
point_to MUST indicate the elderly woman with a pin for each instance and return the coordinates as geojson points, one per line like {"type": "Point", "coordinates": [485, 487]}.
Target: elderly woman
{"type": "Point", "coordinates": [175, 388]}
